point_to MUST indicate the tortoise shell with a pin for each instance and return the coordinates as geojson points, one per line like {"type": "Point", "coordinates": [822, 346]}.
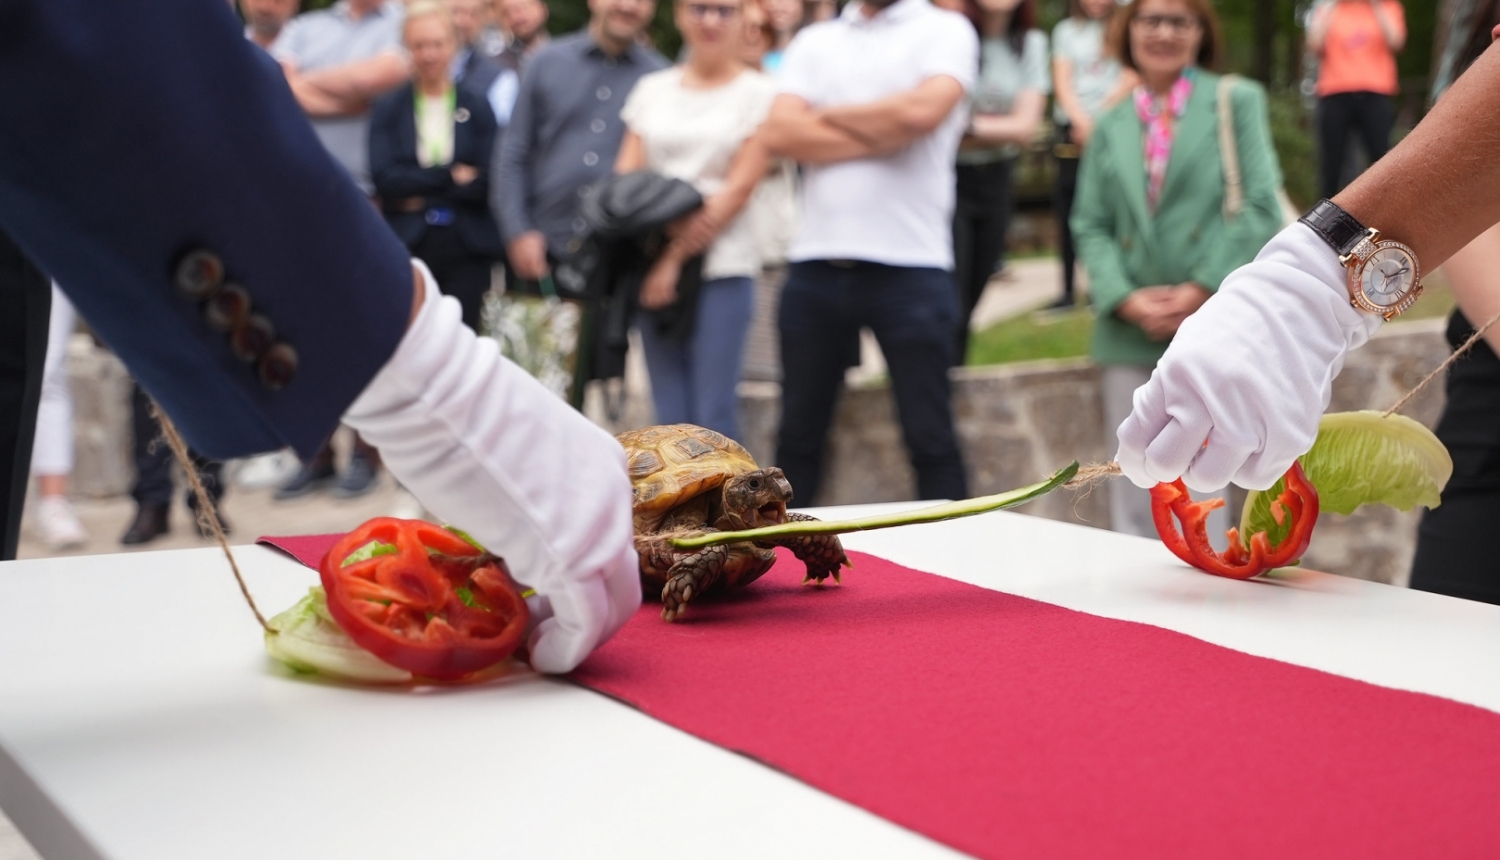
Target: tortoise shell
{"type": "Point", "coordinates": [673, 463]}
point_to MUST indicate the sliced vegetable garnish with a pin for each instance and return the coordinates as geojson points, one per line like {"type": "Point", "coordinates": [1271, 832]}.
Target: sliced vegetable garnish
{"type": "Point", "coordinates": [370, 550]}
{"type": "Point", "coordinates": [437, 606]}
{"type": "Point", "coordinates": [306, 639]}
{"type": "Point", "coordinates": [931, 514]}
{"type": "Point", "coordinates": [1295, 510]}
{"type": "Point", "coordinates": [1362, 458]}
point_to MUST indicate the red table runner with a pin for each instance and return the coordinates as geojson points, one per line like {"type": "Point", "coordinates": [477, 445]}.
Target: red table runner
{"type": "Point", "coordinates": [1006, 727]}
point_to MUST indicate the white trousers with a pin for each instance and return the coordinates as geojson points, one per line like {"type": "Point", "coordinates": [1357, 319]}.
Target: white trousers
{"type": "Point", "coordinates": [52, 449]}
{"type": "Point", "coordinates": [1129, 505]}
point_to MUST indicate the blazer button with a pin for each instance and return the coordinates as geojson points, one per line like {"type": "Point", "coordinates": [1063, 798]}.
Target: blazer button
{"type": "Point", "coordinates": [252, 338]}
{"type": "Point", "coordinates": [278, 367]}
{"type": "Point", "coordinates": [199, 273]}
{"type": "Point", "coordinates": [226, 310]}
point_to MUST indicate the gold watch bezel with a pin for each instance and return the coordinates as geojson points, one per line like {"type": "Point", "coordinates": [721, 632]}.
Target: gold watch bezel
{"type": "Point", "coordinates": [1355, 262]}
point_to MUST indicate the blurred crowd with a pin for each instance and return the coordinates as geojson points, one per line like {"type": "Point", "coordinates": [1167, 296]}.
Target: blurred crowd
{"type": "Point", "coordinates": [862, 200]}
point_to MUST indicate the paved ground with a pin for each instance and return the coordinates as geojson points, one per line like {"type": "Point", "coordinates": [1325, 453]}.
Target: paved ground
{"type": "Point", "coordinates": [250, 514]}
{"type": "Point", "coordinates": [1027, 285]}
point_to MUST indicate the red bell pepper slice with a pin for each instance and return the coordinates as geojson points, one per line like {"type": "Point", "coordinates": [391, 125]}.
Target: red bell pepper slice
{"type": "Point", "coordinates": [1297, 504]}
{"type": "Point", "coordinates": [437, 606]}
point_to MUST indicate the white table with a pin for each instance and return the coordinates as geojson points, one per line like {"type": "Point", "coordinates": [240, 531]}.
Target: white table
{"type": "Point", "coordinates": [139, 717]}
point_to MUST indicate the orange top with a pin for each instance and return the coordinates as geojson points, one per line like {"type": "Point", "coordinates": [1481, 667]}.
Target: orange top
{"type": "Point", "coordinates": [1356, 57]}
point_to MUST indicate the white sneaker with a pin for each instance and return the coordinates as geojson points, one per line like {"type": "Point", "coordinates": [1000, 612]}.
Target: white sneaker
{"type": "Point", "coordinates": [58, 525]}
{"type": "Point", "coordinates": [266, 470]}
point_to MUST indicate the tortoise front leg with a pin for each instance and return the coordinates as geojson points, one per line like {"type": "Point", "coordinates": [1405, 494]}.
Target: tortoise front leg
{"type": "Point", "coordinates": [689, 576]}
{"type": "Point", "coordinates": [823, 554]}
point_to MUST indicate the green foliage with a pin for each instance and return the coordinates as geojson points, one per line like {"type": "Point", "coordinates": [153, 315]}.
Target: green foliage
{"type": "Point", "coordinates": [1291, 133]}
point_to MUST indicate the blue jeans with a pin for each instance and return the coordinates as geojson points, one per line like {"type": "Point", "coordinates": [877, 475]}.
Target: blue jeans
{"type": "Point", "coordinates": [913, 313]}
{"type": "Point", "coordinates": [694, 383]}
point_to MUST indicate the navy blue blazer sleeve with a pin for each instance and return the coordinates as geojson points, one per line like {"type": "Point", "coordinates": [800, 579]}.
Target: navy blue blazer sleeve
{"type": "Point", "coordinates": [138, 130]}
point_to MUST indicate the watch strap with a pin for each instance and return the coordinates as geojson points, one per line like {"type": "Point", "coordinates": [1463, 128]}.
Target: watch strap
{"type": "Point", "coordinates": [1335, 226]}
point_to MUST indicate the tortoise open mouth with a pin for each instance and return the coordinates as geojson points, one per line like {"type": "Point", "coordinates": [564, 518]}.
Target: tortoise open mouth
{"type": "Point", "coordinates": [773, 513]}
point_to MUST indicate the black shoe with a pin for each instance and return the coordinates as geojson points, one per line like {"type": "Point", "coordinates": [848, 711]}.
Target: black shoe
{"type": "Point", "coordinates": [150, 524]}
{"type": "Point", "coordinates": [359, 478]}
{"type": "Point", "coordinates": [309, 479]}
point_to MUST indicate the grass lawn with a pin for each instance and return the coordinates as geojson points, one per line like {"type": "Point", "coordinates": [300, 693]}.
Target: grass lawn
{"type": "Point", "coordinates": [1033, 336]}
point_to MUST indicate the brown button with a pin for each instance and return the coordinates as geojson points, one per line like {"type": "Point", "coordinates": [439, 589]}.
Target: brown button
{"type": "Point", "coordinates": [278, 367]}
{"type": "Point", "coordinates": [227, 309]}
{"type": "Point", "coordinates": [198, 274]}
{"type": "Point", "coordinates": [252, 338]}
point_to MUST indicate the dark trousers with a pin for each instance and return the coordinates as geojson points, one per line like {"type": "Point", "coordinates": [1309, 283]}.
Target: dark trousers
{"type": "Point", "coordinates": [912, 312]}
{"type": "Point", "coordinates": [1371, 115]}
{"type": "Point", "coordinates": [1063, 192]}
{"type": "Point", "coordinates": [981, 218]}
{"type": "Point", "coordinates": [153, 461]}
{"type": "Point", "coordinates": [1455, 545]}
{"type": "Point", "coordinates": [25, 302]}
{"type": "Point", "coordinates": [460, 273]}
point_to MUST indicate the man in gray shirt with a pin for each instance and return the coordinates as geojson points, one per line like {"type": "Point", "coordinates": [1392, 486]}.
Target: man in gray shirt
{"type": "Point", "coordinates": [337, 61]}
{"type": "Point", "coordinates": [565, 131]}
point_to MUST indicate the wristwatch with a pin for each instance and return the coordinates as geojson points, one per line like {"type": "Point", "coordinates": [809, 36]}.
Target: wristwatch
{"type": "Point", "coordinates": [1384, 277]}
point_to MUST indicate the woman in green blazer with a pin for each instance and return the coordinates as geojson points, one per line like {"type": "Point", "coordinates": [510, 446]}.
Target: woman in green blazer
{"type": "Point", "coordinates": [1149, 221]}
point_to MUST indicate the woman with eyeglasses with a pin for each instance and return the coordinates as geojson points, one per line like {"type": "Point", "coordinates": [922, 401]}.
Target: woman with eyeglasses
{"type": "Point", "coordinates": [1005, 112]}
{"type": "Point", "coordinates": [697, 122]}
{"type": "Point", "coordinates": [1149, 219]}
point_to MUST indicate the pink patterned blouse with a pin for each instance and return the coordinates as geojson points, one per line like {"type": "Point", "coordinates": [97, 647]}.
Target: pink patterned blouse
{"type": "Point", "coordinates": [1159, 115]}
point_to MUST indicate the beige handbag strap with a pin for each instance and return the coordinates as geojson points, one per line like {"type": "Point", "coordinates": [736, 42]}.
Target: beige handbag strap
{"type": "Point", "coordinates": [1229, 153]}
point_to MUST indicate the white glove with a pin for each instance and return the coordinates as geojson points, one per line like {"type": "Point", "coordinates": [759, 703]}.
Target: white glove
{"type": "Point", "coordinates": [1251, 372]}
{"type": "Point", "coordinates": [486, 447]}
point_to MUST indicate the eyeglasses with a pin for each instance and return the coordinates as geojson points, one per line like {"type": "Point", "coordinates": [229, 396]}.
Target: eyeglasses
{"type": "Point", "coordinates": [1176, 25]}
{"type": "Point", "coordinates": [704, 11]}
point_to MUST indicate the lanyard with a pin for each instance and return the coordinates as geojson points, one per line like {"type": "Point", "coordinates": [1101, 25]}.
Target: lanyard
{"type": "Point", "coordinates": [435, 147]}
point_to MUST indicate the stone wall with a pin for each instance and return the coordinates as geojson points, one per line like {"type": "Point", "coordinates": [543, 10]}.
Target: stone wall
{"type": "Point", "coordinates": [101, 420]}
{"type": "Point", "coordinates": [1017, 423]}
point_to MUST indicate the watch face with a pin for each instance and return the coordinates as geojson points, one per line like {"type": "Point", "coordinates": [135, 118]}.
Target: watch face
{"type": "Point", "coordinates": [1387, 275]}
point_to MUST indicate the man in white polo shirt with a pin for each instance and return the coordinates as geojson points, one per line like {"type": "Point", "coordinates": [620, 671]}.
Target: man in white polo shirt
{"type": "Point", "coordinates": [871, 106]}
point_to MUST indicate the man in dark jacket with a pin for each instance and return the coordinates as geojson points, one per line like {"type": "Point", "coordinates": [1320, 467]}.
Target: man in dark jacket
{"type": "Point", "coordinates": [253, 291]}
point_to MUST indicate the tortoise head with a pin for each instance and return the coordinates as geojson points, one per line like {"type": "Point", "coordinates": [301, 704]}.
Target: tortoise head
{"type": "Point", "coordinates": [757, 498]}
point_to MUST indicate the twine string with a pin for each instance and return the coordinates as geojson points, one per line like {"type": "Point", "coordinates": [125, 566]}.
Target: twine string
{"type": "Point", "coordinates": [1085, 480]}
{"type": "Point", "coordinates": [208, 514]}
{"type": "Point", "coordinates": [1442, 368]}
{"type": "Point", "coordinates": [1090, 475]}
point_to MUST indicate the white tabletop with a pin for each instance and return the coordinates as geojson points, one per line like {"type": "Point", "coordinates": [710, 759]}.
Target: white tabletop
{"type": "Point", "coordinates": [139, 717]}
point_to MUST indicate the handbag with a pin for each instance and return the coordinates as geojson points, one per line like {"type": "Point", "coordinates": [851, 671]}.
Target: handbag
{"type": "Point", "coordinates": [1229, 153]}
{"type": "Point", "coordinates": [542, 332]}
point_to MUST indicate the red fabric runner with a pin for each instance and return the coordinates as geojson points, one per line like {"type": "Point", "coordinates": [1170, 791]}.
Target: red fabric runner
{"type": "Point", "coordinates": [1006, 727]}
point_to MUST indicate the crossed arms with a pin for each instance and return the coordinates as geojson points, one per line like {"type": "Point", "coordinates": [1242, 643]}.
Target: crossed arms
{"type": "Point", "coordinates": [798, 131]}
{"type": "Point", "coordinates": [345, 90]}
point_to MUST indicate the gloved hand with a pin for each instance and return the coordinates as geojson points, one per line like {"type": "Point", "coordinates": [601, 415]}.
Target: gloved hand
{"type": "Point", "coordinates": [486, 447]}
{"type": "Point", "coordinates": [1251, 372]}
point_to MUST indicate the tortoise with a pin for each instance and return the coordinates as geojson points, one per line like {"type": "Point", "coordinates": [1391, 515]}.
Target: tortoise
{"type": "Point", "coordinates": [688, 480]}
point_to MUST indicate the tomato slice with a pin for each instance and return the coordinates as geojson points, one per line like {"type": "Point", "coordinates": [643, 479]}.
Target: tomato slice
{"type": "Point", "coordinates": [436, 605]}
